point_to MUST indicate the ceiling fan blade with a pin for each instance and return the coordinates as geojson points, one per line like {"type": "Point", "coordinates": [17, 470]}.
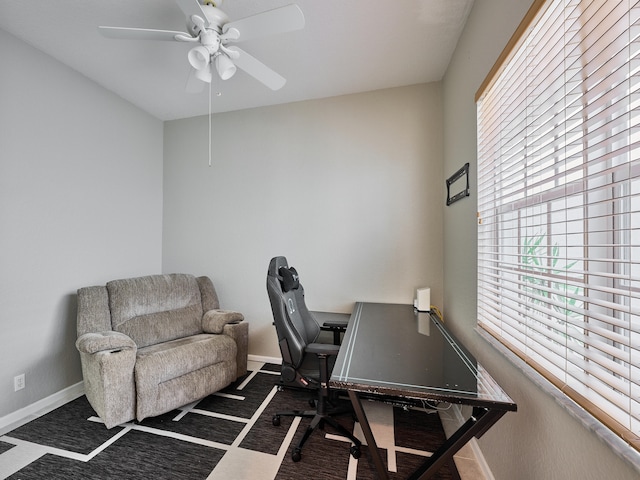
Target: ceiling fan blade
{"type": "Point", "coordinates": [192, 7]}
{"type": "Point", "coordinates": [194, 85]}
{"type": "Point", "coordinates": [278, 20]}
{"type": "Point", "coordinates": [124, 33]}
{"type": "Point", "coordinates": [257, 69]}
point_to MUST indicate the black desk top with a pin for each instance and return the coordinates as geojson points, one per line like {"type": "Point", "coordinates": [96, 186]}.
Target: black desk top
{"type": "Point", "coordinates": [394, 350]}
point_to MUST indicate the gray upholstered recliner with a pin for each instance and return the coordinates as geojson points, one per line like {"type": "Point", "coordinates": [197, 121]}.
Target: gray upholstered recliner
{"type": "Point", "coordinates": [151, 344]}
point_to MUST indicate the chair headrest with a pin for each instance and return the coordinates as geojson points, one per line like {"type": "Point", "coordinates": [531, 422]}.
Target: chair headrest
{"type": "Point", "coordinates": [275, 265]}
{"type": "Point", "coordinates": [290, 280]}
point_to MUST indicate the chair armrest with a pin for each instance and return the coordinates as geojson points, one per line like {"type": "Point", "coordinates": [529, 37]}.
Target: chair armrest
{"type": "Point", "coordinates": [334, 325]}
{"type": "Point", "coordinates": [332, 321]}
{"type": "Point", "coordinates": [104, 342]}
{"type": "Point", "coordinates": [214, 321]}
{"type": "Point", "coordinates": [322, 348]}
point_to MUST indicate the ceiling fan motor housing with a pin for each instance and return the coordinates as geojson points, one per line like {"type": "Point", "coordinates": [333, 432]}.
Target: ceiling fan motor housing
{"type": "Point", "coordinates": [216, 18]}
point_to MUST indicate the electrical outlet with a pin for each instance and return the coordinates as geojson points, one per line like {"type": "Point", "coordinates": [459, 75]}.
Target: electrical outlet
{"type": "Point", "coordinates": [18, 382]}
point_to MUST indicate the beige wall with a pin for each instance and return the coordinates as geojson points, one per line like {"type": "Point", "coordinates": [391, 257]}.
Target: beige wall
{"type": "Point", "coordinates": [349, 189]}
{"type": "Point", "coordinates": [80, 204]}
{"type": "Point", "coordinates": [541, 440]}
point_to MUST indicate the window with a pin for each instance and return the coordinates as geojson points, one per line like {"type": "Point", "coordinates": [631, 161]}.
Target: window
{"type": "Point", "coordinates": [559, 203]}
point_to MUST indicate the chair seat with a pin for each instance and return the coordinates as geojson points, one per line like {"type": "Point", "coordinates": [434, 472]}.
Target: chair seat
{"type": "Point", "coordinates": [310, 367]}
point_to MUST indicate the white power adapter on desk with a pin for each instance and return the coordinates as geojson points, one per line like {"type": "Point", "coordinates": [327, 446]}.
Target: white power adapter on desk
{"type": "Point", "coordinates": [422, 302]}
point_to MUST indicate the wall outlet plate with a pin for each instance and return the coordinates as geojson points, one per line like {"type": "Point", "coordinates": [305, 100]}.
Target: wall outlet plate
{"type": "Point", "coordinates": [18, 382]}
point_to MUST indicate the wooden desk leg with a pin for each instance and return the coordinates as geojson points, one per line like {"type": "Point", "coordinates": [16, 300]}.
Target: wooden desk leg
{"type": "Point", "coordinates": [368, 435]}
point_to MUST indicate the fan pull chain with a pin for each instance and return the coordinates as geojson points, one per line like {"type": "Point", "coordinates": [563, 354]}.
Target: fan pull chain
{"type": "Point", "coordinates": [210, 122]}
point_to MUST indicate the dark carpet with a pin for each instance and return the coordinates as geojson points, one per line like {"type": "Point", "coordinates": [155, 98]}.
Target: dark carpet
{"type": "Point", "coordinates": [190, 448]}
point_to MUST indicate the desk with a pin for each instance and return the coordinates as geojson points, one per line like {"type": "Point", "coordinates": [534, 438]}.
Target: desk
{"type": "Point", "coordinates": [394, 351]}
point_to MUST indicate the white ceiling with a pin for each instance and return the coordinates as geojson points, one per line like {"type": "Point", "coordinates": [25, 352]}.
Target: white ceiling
{"type": "Point", "coordinates": [347, 46]}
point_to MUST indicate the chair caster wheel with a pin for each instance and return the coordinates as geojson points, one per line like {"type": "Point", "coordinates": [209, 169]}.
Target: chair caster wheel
{"type": "Point", "coordinates": [355, 452]}
{"type": "Point", "coordinates": [276, 420]}
{"type": "Point", "coordinates": [296, 455]}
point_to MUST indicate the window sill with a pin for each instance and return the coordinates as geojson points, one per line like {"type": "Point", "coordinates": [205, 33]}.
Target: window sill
{"type": "Point", "coordinates": [618, 445]}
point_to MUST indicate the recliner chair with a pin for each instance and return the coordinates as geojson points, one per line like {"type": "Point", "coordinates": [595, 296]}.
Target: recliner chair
{"type": "Point", "coordinates": [305, 362]}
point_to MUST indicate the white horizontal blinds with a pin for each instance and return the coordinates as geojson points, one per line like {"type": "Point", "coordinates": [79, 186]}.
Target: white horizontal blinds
{"type": "Point", "coordinates": [559, 204]}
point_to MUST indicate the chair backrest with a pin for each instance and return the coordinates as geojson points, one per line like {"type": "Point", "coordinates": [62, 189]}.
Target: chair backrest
{"type": "Point", "coordinates": [295, 325]}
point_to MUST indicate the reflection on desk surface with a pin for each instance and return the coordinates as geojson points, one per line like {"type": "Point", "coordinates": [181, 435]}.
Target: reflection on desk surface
{"type": "Point", "coordinates": [395, 350]}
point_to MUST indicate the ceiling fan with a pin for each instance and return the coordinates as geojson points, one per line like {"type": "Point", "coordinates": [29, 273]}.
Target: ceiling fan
{"type": "Point", "coordinates": [211, 29]}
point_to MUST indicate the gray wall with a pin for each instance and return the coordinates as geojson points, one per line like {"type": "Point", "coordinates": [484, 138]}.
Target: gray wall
{"type": "Point", "coordinates": [541, 440]}
{"type": "Point", "coordinates": [349, 189]}
{"type": "Point", "coordinates": [80, 203]}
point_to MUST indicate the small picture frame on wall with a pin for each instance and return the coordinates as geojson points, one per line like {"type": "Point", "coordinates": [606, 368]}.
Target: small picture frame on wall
{"type": "Point", "coordinates": [460, 178]}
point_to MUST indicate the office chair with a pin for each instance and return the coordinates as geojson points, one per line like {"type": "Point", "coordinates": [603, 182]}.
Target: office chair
{"type": "Point", "coordinates": [304, 362]}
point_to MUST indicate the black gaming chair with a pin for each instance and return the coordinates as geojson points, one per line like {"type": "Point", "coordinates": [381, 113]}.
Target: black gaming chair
{"type": "Point", "coordinates": [305, 362]}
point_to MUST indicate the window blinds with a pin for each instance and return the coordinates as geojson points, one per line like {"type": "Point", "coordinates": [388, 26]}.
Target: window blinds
{"type": "Point", "coordinates": [559, 204]}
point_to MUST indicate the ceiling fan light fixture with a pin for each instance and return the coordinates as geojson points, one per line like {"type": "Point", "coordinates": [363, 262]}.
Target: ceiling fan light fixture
{"type": "Point", "coordinates": [204, 75]}
{"type": "Point", "coordinates": [225, 67]}
{"type": "Point", "coordinates": [199, 58]}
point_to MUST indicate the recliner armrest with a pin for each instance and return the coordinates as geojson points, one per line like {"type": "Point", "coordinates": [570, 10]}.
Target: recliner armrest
{"type": "Point", "coordinates": [108, 360]}
{"type": "Point", "coordinates": [322, 348]}
{"type": "Point", "coordinates": [214, 321]}
{"type": "Point", "coordinates": [110, 341]}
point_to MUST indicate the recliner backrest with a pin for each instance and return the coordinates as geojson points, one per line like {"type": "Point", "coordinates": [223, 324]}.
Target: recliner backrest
{"type": "Point", "coordinates": [294, 324]}
{"type": "Point", "coordinates": [156, 308]}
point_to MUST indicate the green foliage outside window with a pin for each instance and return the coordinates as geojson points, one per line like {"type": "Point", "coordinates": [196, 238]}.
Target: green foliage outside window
{"type": "Point", "coordinates": [548, 277]}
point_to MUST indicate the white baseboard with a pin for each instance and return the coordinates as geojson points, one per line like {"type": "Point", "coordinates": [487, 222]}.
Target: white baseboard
{"type": "Point", "coordinates": [39, 408]}
{"type": "Point", "coordinates": [473, 444]}
{"type": "Point", "coordinates": [263, 359]}
{"type": "Point", "coordinates": [482, 463]}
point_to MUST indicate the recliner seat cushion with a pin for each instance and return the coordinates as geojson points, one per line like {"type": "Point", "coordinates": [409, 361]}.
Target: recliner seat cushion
{"type": "Point", "coordinates": [165, 361]}
{"type": "Point", "coordinates": [172, 374]}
